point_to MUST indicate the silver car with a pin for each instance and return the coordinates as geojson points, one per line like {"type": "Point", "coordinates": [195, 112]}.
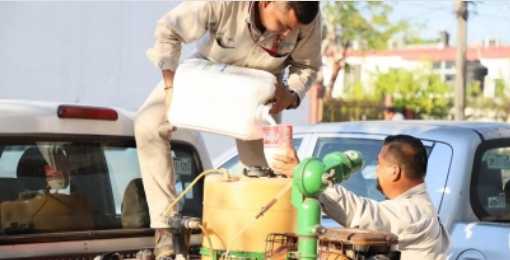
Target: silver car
{"type": "Point", "coordinates": [468, 176]}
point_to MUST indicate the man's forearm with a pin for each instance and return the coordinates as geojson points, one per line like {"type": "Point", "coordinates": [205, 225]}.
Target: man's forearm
{"type": "Point", "coordinates": [344, 206]}
{"type": "Point", "coordinates": [168, 78]}
{"type": "Point", "coordinates": [352, 210]}
{"type": "Point", "coordinates": [301, 79]}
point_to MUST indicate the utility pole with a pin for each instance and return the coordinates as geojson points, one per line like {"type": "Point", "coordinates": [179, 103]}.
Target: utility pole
{"type": "Point", "coordinates": [461, 13]}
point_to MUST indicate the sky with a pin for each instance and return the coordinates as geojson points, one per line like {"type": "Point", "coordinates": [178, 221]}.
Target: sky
{"type": "Point", "coordinates": [487, 18]}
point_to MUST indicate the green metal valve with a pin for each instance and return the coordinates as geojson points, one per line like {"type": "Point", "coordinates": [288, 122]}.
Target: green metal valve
{"type": "Point", "coordinates": [341, 165]}
{"type": "Point", "coordinates": [309, 179]}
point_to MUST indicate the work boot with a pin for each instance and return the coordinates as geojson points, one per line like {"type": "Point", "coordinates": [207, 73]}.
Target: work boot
{"type": "Point", "coordinates": [163, 249]}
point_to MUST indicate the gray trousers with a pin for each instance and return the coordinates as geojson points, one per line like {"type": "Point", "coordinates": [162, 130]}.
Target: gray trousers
{"type": "Point", "coordinates": [155, 159]}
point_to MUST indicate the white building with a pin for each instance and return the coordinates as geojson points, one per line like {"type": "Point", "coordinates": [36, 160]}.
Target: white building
{"type": "Point", "coordinates": [365, 64]}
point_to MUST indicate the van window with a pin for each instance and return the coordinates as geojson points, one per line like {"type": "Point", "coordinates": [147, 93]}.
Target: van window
{"type": "Point", "coordinates": [490, 184]}
{"type": "Point", "coordinates": [72, 185]}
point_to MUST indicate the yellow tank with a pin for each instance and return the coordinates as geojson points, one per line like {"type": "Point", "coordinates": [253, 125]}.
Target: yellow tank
{"type": "Point", "coordinates": [231, 206]}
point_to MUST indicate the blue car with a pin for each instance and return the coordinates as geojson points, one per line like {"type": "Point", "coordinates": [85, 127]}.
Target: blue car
{"type": "Point", "coordinates": [468, 175]}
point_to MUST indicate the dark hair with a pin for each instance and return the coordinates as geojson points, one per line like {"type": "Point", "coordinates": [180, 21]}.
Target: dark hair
{"type": "Point", "coordinates": [305, 11]}
{"type": "Point", "coordinates": [409, 152]}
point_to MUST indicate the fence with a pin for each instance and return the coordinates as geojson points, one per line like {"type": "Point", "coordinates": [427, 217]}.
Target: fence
{"type": "Point", "coordinates": [340, 110]}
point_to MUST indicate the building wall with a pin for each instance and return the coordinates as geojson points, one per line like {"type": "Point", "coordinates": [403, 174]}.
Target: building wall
{"type": "Point", "coordinates": [369, 66]}
{"type": "Point", "coordinates": [497, 69]}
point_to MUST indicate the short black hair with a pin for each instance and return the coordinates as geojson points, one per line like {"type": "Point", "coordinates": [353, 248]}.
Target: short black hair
{"type": "Point", "coordinates": [305, 11]}
{"type": "Point", "coordinates": [409, 152]}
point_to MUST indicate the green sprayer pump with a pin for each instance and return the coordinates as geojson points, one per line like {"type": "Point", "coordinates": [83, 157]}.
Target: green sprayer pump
{"type": "Point", "coordinates": [310, 178]}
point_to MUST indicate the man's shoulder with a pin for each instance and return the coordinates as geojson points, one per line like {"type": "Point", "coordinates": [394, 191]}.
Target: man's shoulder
{"type": "Point", "coordinates": [230, 7]}
{"type": "Point", "coordinates": [415, 206]}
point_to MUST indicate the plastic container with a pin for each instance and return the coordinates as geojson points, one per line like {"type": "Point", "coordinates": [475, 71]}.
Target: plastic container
{"type": "Point", "coordinates": [231, 206]}
{"type": "Point", "coordinates": [277, 140]}
{"type": "Point", "coordinates": [221, 99]}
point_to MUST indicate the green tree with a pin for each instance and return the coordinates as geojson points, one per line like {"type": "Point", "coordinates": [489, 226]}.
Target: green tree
{"type": "Point", "coordinates": [419, 90]}
{"type": "Point", "coordinates": [423, 92]}
{"type": "Point", "coordinates": [496, 108]}
{"type": "Point", "coordinates": [473, 89]}
{"type": "Point", "coordinates": [500, 88]}
{"type": "Point", "coordinates": [366, 23]}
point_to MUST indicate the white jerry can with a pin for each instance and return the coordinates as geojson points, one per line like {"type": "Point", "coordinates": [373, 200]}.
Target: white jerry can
{"type": "Point", "coordinates": [221, 99]}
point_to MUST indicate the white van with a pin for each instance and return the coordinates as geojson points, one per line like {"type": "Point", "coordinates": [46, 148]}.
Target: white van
{"type": "Point", "coordinates": [65, 171]}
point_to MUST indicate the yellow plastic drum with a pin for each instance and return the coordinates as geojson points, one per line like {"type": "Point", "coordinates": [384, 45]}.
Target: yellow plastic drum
{"type": "Point", "coordinates": [231, 206]}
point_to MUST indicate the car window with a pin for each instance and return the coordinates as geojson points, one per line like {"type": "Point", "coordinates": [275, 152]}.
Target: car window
{"type": "Point", "coordinates": [234, 165]}
{"type": "Point", "coordinates": [57, 186]}
{"type": "Point", "coordinates": [491, 185]}
{"type": "Point", "coordinates": [363, 182]}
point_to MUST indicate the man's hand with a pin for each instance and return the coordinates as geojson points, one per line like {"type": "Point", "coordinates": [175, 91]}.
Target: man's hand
{"type": "Point", "coordinates": [283, 98]}
{"type": "Point", "coordinates": [285, 163]}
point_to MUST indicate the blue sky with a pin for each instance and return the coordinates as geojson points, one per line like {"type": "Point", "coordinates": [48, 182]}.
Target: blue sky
{"type": "Point", "coordinates": [488, 18]}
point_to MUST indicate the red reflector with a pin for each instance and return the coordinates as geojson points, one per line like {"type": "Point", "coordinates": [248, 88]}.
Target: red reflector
{"type": "Point", "coordinates": [86, 112]}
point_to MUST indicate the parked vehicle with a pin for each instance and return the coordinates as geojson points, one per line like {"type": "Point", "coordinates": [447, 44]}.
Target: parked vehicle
{"type": "Point", "coordinates": [66, 175]}
{"type": "Point", "coordinates": [468, 176]}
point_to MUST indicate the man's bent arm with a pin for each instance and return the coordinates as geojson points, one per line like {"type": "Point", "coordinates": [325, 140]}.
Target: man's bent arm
{"type": "Point", "coordinates": [185, 23]}
{"type": "Point", "coordinates": [354, 211]}
{"type": "Point", "coordinates": [305, 60]}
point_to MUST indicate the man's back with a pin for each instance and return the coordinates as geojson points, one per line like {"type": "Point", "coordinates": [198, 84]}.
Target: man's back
{"type": "Point", "coordinates": [233, 38]}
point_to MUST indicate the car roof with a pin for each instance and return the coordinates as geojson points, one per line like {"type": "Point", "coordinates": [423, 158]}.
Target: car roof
{"type": "Point", "coordinates": [425, 129]}
{"type": "Point", "coordinates": [451, 132]}
{"type": "Point", "coordinates": [40, 117]}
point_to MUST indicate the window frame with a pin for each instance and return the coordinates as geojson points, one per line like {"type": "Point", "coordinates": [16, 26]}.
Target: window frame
{"type": "Point", "coordinates": [93, 234]}
{"type": "Point", "coordinates": [323, 138]}
{"type": "Point", "coordinates": [430, 144]}
{"type": "Point", "coordinates": [474, 199]}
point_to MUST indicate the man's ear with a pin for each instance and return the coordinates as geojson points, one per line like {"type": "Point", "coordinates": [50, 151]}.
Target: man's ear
{"type": "Point", "coordinates": [396, 173]}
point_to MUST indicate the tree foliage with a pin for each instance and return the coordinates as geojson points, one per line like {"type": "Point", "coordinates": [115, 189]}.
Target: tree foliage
{"type": "Point", "coordinates": [423, 92]}
{"type": "Point", "coordinates": [365, 22]}
{"type": "Point", "coordinates": [480, 107]}
{"type": "Point", "coordinates": [419, 90]}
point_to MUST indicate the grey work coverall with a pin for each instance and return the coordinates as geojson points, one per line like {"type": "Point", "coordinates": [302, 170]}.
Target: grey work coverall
{"type": "Point", "coordinates": [228, 40]}
{"type": "Point", "coordinates": [411, 216]}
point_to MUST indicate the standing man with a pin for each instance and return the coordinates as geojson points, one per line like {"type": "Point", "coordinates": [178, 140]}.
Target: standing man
{"type": "Point", "coordinates": [270, 36]}
{"type": "Point", "coordinates": [407, 212]}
